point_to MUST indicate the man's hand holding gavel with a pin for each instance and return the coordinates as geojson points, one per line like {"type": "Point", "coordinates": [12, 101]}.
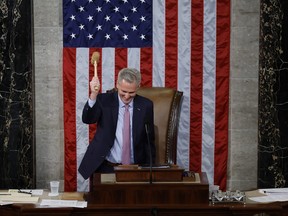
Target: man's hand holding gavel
{"type": "Point", "coordinates": [94, 83]}
{"type": "Point", "coordinates": [94, 88]}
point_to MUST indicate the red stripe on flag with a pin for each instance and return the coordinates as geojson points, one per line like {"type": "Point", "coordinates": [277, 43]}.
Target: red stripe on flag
{"type": "Point", "coordinates": [146, 66]}
{"type": "Point", "coordinates": [121, 57]}
{"type": "Point", "coordinates": [222, 92]}
{"type": "Point", "coordinates": [69, 97]}
{"type": "Point", "coordinates": [171, 46]}
{"type": "Point", "coordinates": [196, 85]}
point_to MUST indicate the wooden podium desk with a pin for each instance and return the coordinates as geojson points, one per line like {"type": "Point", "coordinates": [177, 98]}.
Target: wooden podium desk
{"type": "Point", "coordinates": [93, 209]}
{"type": "Point", "coordinates": [274, 209]}
{"type": "Point", "coordinates": [133, 193]}
{"type": "Point", "coordinates": [145, 199]}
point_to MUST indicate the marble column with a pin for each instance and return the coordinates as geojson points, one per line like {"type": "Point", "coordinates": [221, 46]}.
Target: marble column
{"type": "Point", "coordinates": [273, 95]}
{"type": "Point", "coordinates": [17, 166]}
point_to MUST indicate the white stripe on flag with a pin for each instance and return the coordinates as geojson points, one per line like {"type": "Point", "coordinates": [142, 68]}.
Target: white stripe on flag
{"type": "Point", "coordinates": [209, 88]}
{"type": "Point", "coordinates": [82, 130]}
{"type": "Point", "coordinates": [158, 43]}
{"type": "Point", "coordinates": [108, 68]}
{"type": "Point", "coordinates": [184, 83]}
{"type": "Point", "coordinates": [134, 58]}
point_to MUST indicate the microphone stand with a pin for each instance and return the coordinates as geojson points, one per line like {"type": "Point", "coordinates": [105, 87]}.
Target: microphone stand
{"type": "Point", "coordinates": [150, 152]}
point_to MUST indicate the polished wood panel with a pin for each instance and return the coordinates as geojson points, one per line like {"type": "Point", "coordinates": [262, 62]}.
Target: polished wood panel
{"type": "Point", "coordinates": [168, 193]}
{"type": "Point", "coordinates": [148, 209]}
{"type": "Point", "coordinates": [184, 192]}
{"type": "Point", "coordinates": [171, 173]}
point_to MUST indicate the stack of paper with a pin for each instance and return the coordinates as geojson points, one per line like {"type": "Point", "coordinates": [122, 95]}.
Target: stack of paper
{"type": "Point", "coordinates": [271, 195]}
{"type": "Point", "coordinates": [13, 197]}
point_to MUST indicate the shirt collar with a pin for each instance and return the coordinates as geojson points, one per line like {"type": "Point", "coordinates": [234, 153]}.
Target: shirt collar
{"type": "Point", "coordinates": [121, 104]}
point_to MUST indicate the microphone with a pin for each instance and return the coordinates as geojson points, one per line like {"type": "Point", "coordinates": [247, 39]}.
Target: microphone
{"type": "Point", "coordinates": [147, 129]}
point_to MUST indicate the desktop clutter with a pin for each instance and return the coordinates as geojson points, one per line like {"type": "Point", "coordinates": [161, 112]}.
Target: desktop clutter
{"type": "Point", "coordinates": [50, 198]}
{"type": "Point", "coordinates": [268, 195]}
{"type": "Point", "coordinates": [53, 198]}
{"type": "Point", "coordinates": [219, 196]}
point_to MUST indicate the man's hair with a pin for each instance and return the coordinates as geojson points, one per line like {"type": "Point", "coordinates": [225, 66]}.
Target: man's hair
{"type": "Point", "coordinates": [130, 75]}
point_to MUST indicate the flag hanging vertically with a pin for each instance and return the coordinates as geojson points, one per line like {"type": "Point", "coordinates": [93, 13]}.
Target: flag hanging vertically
{"type": "Point", "coordinates": [179, 44]}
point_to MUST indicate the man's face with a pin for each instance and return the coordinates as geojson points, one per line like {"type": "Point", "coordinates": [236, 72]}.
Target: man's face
{"type": "Point", "coordinates": [126, 91]}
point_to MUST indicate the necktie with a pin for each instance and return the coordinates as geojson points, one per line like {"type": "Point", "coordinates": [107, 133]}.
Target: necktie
{"type": "Point", "coordinates": [126, 136]}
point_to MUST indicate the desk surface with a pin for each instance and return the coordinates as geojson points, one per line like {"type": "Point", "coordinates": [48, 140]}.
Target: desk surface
{"type": "Point", "coordinates": [146, 199]}
{"type": "Point", "coordinates": [148, 209]}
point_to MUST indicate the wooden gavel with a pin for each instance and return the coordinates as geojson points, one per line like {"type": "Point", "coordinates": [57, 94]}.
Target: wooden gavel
{"type": "Point", "coordinates": [94, 60]}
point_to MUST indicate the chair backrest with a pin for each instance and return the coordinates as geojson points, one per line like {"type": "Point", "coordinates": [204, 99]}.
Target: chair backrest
{"type": "Point", "coordinates": [167, 105]}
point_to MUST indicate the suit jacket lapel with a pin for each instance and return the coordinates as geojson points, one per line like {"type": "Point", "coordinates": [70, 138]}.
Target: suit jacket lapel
{"type": "Point", "coordinates": [115, 108]}
{"type": "Point", "coordinates": [137, 113]}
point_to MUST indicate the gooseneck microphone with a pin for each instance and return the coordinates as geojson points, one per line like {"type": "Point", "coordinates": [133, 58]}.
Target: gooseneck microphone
{"type": "Point", "coordinates": [147, 129]}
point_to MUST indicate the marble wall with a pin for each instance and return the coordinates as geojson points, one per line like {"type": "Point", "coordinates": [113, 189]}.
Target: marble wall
{"type": "Point", "coordinates": [17, 150]}
{"type": "Point", "coordinates": [243, 113]}
{"type": "Point", "coordinates": [273, 94]}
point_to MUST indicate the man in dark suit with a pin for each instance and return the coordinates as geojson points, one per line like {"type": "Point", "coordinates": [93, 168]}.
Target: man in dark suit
{"type": "Point", "coordinates": [107, 111]}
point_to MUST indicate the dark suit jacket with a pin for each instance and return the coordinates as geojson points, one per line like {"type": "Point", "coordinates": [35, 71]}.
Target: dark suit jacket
{"type": "Point", "coordinates": [105, 114]}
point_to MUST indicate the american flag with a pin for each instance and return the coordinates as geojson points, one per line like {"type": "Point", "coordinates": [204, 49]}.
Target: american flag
{"type": "Point", "coordinates": [108, 24]}
{"type": "Point", "coordinates": [183, 44]}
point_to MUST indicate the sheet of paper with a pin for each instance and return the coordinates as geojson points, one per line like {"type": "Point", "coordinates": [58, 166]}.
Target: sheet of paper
{"type": "Point", "coordinates": [13, 196]}
{"type": "Point", "coordinates": [270, 198]}
{"type": "Point", "coordinates": [64, 203]}
{"type": "Point", "coordinates": [5, 193]}
{"type": "Point", "coordinates": [271, 195]}
{"type": "Point", "coordinates": [34, 192]}
{"type": "Point", "coordinates": [17, 194]}
{"type": "Point", "coordinates": [18, 199]}
{"type": "Point", "coordinates": [274, 191]}
{"type": "Point", "coordinates": [5, 203]}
